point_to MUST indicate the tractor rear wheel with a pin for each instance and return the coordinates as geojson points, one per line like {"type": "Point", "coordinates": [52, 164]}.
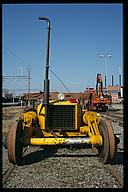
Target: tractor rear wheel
{"type": "Point", "coordinates": [14, 142]}
{"type": "Point", "coordinates": [108, 149]}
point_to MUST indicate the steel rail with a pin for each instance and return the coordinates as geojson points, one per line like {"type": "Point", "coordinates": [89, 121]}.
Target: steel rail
{"type": "Point", "coordinates": [114, 173]}
{"type": "Point", "coordinates": [10, 169]}
{"type": "Point", "coordinates": [8, 173]}
{"type": "Point", "coordinates": [116, 113]}
{"type": "Point", "coordinates": [112, 118]}
{"type": "Point", "coordinates": [108, 166]}
{"type": "Point", "coordinates": [120, 116]}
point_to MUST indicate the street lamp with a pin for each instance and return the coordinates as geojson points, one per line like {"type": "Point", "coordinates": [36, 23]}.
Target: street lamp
{"type": "Point", "coordinates": [21, 70]}
{"type": "Point", "coordinates": [105, 63]}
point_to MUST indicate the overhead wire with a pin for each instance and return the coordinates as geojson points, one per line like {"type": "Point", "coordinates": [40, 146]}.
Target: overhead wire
{"type": "Point", "coordinates": [12, 53]}
{"type": "Point", "coordinates": [49, 68]}
{"type": "Point", "coordinates": [60, 80]}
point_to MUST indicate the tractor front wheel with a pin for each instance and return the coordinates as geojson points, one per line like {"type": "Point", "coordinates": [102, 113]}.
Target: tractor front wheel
{"type": "Point", "coordinates": [108, 148]}
{"type": "Point", "coordinates": [14, 142]}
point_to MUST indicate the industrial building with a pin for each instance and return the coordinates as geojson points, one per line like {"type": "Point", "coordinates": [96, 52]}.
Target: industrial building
{"type": "Point", "coordinates": [116, 93]}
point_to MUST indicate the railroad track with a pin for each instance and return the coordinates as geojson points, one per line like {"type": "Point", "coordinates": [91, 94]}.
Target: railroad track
{"type": "Point", "coordinates": [8, 173]}
{"type": "Point", "coordinates": [9, 117]}
{"type": "Point", "coordinates": [114, 173]}
{"type": "Point", "coordinates": [108, 167]}
{"type": "Point", "coordinates": [115, 117]}
{"type": "Point", "coordinates": [10, 169]}
{"type": "Point", "coordinates": [10, 104]}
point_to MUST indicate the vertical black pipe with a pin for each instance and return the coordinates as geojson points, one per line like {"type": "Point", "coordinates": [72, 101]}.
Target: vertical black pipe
{"type": "Point", "coordinates": [105, 80]}
{"type": "Point", "coordinates": [102, 88]}
{"type": "Point", "coordinates": [112, 81]}
{"type": "Point", "coordinates": [46, 81]}
{"type": "Point", "coordinates": [97, 84]}
{"type": "Point", "coordinates": [119, 80]}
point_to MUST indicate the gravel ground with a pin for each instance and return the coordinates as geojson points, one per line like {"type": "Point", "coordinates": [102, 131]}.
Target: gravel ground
{"type": "Point", "coordinates": [41, 171]}
{"type": "Point", "coordinates": [62, 168]}
{"type": "Point", "coordinates": [8, 114]}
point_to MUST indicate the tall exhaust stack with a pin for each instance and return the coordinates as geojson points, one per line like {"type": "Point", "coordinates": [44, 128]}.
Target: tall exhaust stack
{"type": "Point", "coordinates": [112, 80]}
{"type": "Point", "coordinates": [46, 80]}
{"type": "Point", "coordinates": [119, 80]}
{"type": "Point", "coordinates": [105, 80]}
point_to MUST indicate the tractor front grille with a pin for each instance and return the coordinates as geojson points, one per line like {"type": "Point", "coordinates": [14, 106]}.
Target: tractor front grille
{"type": "Point", "coordinates": [62, 117]}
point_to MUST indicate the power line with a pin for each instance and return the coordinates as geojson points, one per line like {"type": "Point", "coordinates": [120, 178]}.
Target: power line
{"type": "Point", "coordinates": [28, 77]}
{"type": "Point", "coordinates": [12, 53]}
{"type": "Point", "coordinates": [60, 81]}
{"type": "Point", "coordinates": [15, 77]}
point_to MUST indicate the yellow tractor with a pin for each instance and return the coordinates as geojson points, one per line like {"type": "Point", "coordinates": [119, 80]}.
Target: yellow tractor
{"type": "Point", "coordinates": [60, 123]}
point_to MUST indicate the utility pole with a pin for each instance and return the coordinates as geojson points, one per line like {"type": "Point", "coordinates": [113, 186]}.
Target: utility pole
{"type": "Point", "coordinates": [29, 68]}
{"type": "Point", "coordinates": [27, 77]}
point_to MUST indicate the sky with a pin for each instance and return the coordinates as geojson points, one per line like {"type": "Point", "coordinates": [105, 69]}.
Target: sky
{"type": "Point", "coordinates": [79, 34]}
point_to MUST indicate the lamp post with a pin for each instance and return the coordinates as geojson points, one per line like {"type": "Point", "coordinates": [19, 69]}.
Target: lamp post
{"type": "Point", "coordinates": [105, 63]}
{"type": "Point", "coordinates": [21, 71]}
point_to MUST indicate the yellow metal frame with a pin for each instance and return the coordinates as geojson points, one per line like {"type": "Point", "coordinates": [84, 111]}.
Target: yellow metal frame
{"type": "Point", "coordinates": [86, 134]}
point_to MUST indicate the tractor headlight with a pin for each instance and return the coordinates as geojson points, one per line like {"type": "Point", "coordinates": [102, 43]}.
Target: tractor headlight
{"type": "Point", "coordinates": [61, 96]}
{"type": "Point", "coordinates": [98, 114]}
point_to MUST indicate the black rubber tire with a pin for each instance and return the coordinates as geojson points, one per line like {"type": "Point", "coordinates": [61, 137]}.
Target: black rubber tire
{"type": "Point", "coordinates": [108, 149]}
